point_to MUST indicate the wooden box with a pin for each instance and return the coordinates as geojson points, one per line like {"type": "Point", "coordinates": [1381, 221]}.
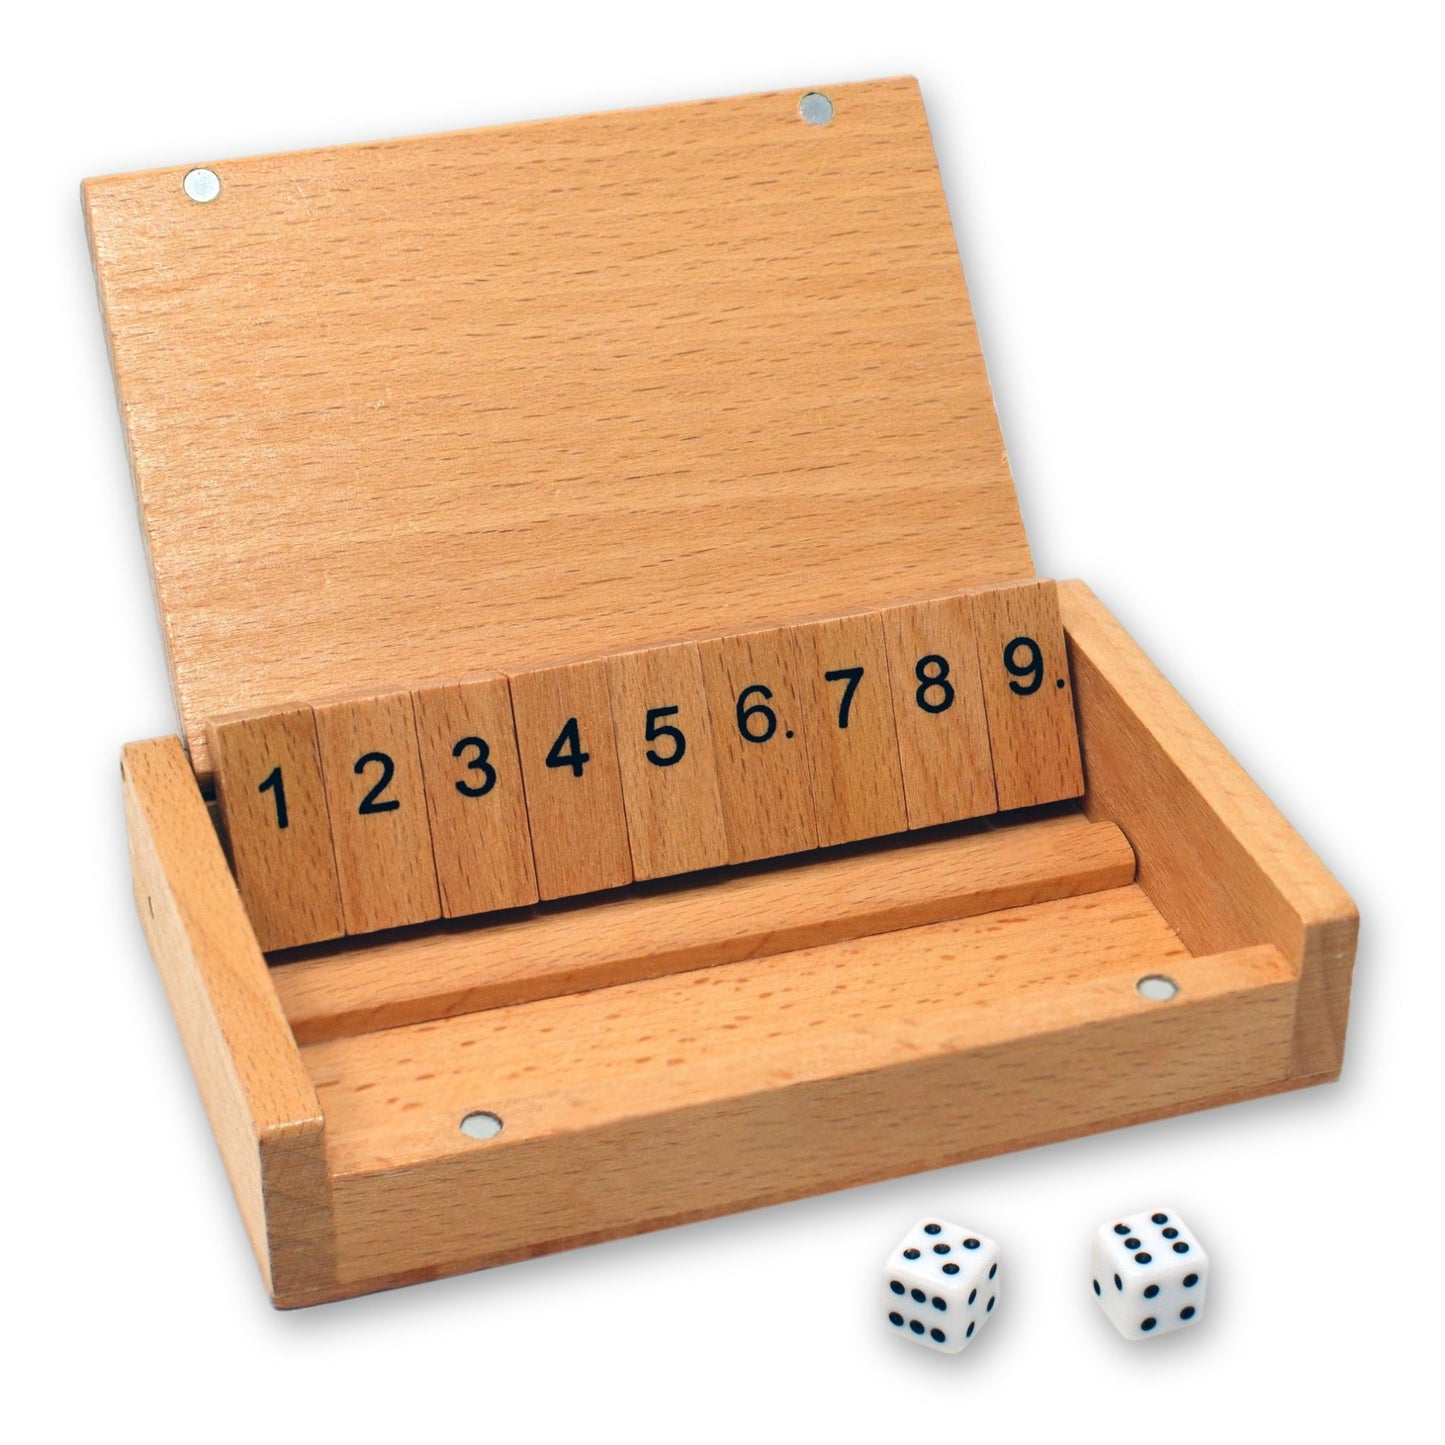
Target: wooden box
{"type": "Point", "coordinates": [406, 411]}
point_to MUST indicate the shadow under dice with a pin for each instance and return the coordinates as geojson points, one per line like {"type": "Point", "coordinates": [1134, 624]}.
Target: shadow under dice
{"type": "Point", "coordinates": [940, 1285]}
{"type": "Point", "coordinates": [1149, 1273]}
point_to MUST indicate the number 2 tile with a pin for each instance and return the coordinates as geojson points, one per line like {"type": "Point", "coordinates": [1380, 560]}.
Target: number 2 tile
{"type": "Point", "coordinates": [842, 671]}
{"type": "Point", "coordinates": [379, 827]}
{"type": "Point", "coordinates": [475, 802]}
{"type": "Point", "coordinates": [666, 757]}
{"type": "Point", "coordinates": [574, 789]}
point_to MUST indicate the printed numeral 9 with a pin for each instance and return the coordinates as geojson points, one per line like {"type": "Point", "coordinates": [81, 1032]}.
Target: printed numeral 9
{"type": "Point", "coordinates": [1030, 667]}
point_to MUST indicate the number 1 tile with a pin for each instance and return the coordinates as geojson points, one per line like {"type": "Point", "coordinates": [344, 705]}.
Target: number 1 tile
{"type": "Point", "coordinates": [268, 783]}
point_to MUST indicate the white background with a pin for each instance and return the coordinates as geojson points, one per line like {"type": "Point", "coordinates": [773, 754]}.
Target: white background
{"type": "Point", "coordinates": [1205, 246]}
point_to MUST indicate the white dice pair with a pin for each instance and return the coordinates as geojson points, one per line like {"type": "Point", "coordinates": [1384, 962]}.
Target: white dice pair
{"type": "Point", "coordinates": [940, 1285]}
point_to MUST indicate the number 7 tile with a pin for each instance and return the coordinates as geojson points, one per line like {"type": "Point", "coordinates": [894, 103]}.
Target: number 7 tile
{"type": "Point", "coordinates": [842, 673]}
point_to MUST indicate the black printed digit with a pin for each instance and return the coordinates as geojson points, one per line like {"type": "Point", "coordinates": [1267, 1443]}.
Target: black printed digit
{"type": "Point", "coordinates": [567, 750]}
{"type": "Point", "coordinates": [935, 691]}
{"type": "Point", "coordinates": [674, 735]}
{"type": "Point", "coordinates": [748, 713]}
{"type": "Point", "coordinates": [851, 677]}
{"type": "Point", "coordinates": [272, 783]}
{"type": "Point", "coordinates": [479, 764]}
{"type": "Point", "coordinates": [373, 801]}
{"type": "Point", "coordinates": [1032, 668]}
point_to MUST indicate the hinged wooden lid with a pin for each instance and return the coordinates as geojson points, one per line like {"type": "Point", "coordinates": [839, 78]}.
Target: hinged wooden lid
{"type": "Point", "coordinates": [410, 410]}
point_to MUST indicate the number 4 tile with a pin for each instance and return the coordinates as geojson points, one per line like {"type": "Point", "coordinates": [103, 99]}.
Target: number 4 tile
{"type": "Point", "coordinates": [569, 767]}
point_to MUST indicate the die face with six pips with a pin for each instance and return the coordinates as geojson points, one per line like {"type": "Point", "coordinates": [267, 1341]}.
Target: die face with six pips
{"type": "Point", "coordinates": [940, 1285]}
{"type": "Point", "coordinates": [1149, 1273]}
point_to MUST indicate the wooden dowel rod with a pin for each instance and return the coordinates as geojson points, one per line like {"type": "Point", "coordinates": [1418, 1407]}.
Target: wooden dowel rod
{"type": "Point", "coordinates": [724, 917]}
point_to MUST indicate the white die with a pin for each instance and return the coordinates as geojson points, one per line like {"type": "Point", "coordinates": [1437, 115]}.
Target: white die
{"type": "Point", "coordinates": [1149, 1273]}
{"type": "Point", "coordinates": [940, 1285]}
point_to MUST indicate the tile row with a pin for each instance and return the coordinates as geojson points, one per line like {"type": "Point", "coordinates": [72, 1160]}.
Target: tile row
{"type": "Point", "coordinates": [355, 814]}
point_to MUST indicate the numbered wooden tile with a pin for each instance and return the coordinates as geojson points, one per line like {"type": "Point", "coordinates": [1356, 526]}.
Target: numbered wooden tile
{"type": "Point", "coordinates": [668, 765]}
{"type": "Point", "coordinates": [268, 783]}
{"type": "Point", "coordinates": [477, 809]}
{"type": "Point", "coordinates": [844, 686]}
{"type": "Point", "coordinates": [939, 710]}
{"type": "Point", "coordinates": [379, 827]}
{"type": "Point", "coordinates": [574, 789]}
{"type": "Point", "coordinates": [757, 729]}
{"type": "Point", "coordinates": [1024, 665]}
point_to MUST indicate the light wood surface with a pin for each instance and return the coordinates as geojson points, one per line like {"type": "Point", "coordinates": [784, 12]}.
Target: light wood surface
{"type": "Point", "coordinates": [1215, 854]}
{"type": "Point", "coordinates": [669, 782]}
{"type": "Point", "coordinates": [763, 778]}
{"type": "Point", "coordinates": [942, 728]}
{"type": "Point", "coordinates": [670, 1111]}
{"type": "Point", "coordinates": [475, 802]}
{"type": "Point", "coordinates": [268, 773]}
{"type": "Point", "coordinates": [545, 391]}
{"type": "Point", "coordinates": [262, 1106]}
{"type": "Point", "coordinates": [1033, 734]}
{"type": "Point", "coordinates": [848, 723]}
{"type": "Point", "coordinates": [574, 809]}
{"type": "Point", "coordinates": [355, 987]}
{"type": "Point", "coordinates": [379, 828]}
{"type": "Point", "coordinates": [739, 1084]}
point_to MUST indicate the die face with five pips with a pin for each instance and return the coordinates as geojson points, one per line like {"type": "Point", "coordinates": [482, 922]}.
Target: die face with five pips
{"type": "Point", "coordinates": [940, 1285]}
{"type": "Point", "coordinates": [1149, 1273]}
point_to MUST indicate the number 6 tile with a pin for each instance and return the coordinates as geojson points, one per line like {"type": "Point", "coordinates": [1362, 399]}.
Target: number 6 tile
{"type": "Point", "coordinates": [758, 730]}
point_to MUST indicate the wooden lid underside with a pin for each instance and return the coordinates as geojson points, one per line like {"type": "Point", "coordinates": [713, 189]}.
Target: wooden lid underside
{"type": "Point", "coordinates": [410, 410]}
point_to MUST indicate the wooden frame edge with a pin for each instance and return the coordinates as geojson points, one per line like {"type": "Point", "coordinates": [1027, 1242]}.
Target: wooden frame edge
{"type": "Point", "coordinates": [260, 1100]}
{"type": "Point", "coordinates": [1215, 856]}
